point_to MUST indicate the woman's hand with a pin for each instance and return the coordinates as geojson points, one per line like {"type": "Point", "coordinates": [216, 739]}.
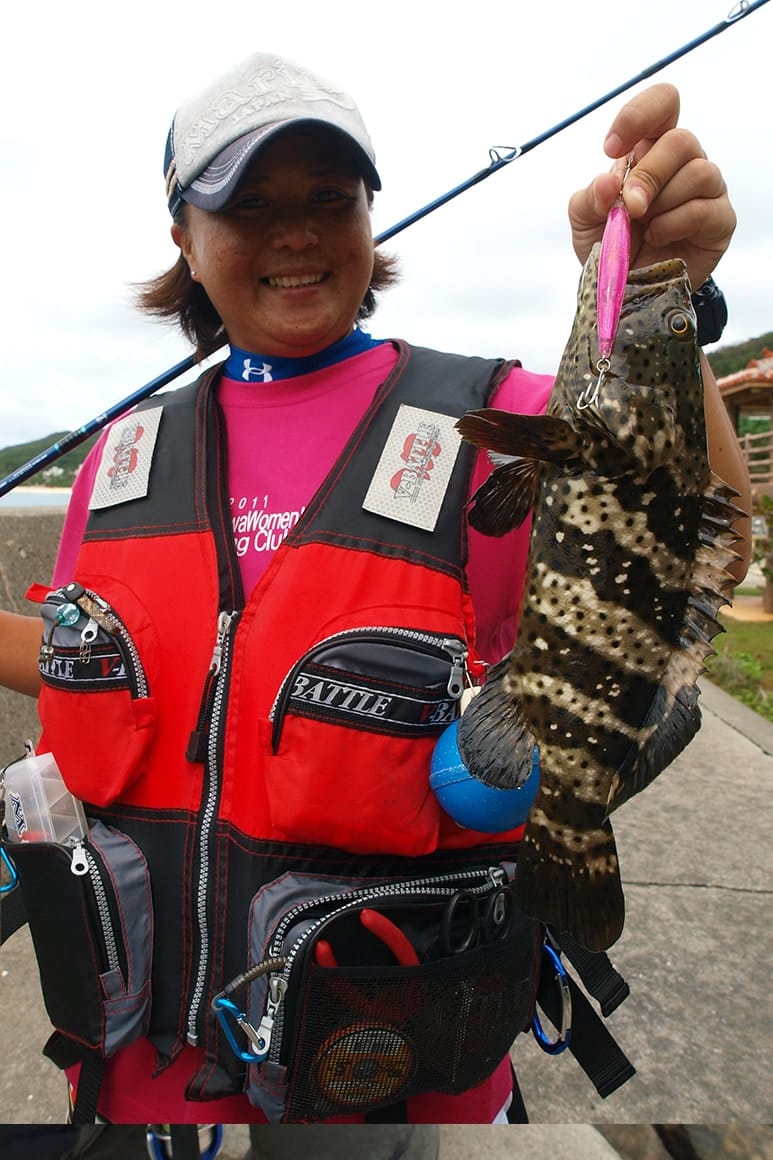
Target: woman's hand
{"type": "Point", "coordinates": [676, 197]}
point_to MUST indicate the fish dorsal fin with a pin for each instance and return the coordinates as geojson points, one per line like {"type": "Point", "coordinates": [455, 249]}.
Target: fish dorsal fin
{"type": "Point", "coordinates": [674, 716]}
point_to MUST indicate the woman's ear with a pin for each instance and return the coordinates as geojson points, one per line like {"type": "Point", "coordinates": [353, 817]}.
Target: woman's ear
{"type": "Point", "coordinates": [181, 238]}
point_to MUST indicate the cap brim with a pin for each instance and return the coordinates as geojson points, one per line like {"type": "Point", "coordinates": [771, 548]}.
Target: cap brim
{"type": "Point", "coordinates": [213, 188]}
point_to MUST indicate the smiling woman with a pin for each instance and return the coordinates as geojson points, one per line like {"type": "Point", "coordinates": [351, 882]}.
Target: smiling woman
{"type": "Point", "coordinates": [328, 184]}
{"type": "Point", "coordinates": [266, 607]}
{"type": "Point", "coordinates": [287, 262]}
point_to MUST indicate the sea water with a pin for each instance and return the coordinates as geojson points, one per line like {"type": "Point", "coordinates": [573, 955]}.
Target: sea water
{"type": "Point", "coordinates": [36, 497]}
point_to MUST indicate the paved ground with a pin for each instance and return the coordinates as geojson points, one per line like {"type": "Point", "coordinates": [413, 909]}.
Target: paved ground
{"type": "Point", "coordinates": [696, 859]}
{"type": "Point", "coordinates": [696, 951]}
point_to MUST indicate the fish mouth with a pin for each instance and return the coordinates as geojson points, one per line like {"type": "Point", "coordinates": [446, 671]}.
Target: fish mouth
{"type": "Point", "coordinates": [648, 280]}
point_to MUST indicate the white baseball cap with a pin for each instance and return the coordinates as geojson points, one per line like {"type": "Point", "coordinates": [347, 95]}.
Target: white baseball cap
{"type": "Point", "coordinates": [217, 132]}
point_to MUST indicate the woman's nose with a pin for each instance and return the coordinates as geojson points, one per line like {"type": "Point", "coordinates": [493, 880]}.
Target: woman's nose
{"type": "Point", "coordinates": [295, 230]}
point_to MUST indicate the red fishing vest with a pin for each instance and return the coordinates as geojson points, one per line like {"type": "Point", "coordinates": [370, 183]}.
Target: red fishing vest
{"type": "Point", "coordinates": [232, 738]}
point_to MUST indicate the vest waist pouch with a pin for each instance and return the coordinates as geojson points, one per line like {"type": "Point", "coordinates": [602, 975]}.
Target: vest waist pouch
{"type": "Point", "coordinates": [90, 917]}
{"type": "Point", "coordinates": [383, 989]}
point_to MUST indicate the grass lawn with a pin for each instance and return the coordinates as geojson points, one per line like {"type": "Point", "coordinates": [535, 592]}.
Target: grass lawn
{"type": "Point", "coordinates": [743, 666]}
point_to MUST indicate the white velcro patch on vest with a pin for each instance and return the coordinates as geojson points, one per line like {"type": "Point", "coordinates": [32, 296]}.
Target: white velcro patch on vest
{"type": "Point", "coordinates": [412, 476]}
{"type": "Point", "coordinates": [124, 471]}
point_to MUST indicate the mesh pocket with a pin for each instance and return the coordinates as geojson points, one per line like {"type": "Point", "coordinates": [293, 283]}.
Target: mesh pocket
{"type": "Point", "coordinates": [367, 1037]}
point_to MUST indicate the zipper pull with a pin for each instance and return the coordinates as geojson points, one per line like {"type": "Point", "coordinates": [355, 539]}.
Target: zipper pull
{"type": "Point", "coordinates": [88, 636]}
{"type": "Point", "coordinates": [99, 610]}
{"type": "Point", "coordinates": [276, 993]}
{"type": "Point", "coordinates": [456, 681]}
{"type": "Point", "coordinates": [72, 591]}
{"type": "Point", "coordinates": [223, 624]}
{"type": "Point", "coordinates": [79, 862]}
{"type": "Point", "coordinates": [197, 742]}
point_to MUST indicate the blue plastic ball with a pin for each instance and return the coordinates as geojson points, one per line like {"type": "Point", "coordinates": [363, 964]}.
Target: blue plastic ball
{"type": "Point", "coordinates": [468, 801]}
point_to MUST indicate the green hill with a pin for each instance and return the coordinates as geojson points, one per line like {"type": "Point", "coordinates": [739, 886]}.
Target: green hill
{"type": "Point", "coordinates": [727, 359]}
{"type": "Point", "coordinates": [724, 360]}
{"type": "Point", "coordinates": [60, 473]}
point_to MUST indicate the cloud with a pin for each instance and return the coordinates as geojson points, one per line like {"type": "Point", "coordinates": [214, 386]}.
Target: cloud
{"type": "Point", "coordinates": [490, 273]}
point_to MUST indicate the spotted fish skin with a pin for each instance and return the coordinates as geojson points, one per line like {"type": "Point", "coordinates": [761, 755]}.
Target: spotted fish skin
{"type": "Point", "coordinates": [630, 545]}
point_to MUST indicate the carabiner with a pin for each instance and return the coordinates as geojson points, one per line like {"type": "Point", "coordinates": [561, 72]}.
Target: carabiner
{"type": "Point", "coordinates": [555, 1047]}
{"type": "Point", "coordinates": [259, 1043]}
{"type": "Point", "coordinates": [14, 877]}
{"type": "Point", "coordinates": [160, 1140]}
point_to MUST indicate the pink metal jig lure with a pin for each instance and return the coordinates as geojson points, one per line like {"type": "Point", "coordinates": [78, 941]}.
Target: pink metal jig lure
{"type": "Point", "coordinates": [614, 260]}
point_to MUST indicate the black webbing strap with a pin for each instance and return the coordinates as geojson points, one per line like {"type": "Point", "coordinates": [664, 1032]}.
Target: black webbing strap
{"type": "Point", "coordinates": [185, 1141]}
{"type": "Point", "coordinates": [591, 1044]}
{"type": "Point", "coordinates": [89, 1084]}
{"type": "Point", "coordinates": [12, 913]}
{"type": "Point", "coordinates": [596, 1051]}
{"type": "Point", "coordinates": [598, 976]}
{"type": "Point", "coordinates": [393, 1114]}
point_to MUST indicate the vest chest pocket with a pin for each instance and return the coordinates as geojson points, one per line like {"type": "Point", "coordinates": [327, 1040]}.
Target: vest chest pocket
{"type": "Point", "coordinates": [95, 704]}
{"type": "Point", "coordinates": [352, 729]}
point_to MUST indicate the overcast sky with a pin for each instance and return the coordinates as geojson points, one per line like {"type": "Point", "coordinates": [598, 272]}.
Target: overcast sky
{"type": "Point", "coordinates": [89, 89]}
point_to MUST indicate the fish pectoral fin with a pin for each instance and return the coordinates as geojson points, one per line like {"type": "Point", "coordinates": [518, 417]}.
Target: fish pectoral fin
{"type": "Point", "coordinates": [540, 437]}
{"type": "Point", "coordinates": [568, 877]}
{"type": "Point", "coordinates": [529, 441]}
{"type": "Point", "coordinates": [494, 740]}
{"type": "Point", "coordinates": [506, 498]}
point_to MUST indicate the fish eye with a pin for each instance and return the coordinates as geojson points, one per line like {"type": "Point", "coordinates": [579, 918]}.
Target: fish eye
{"type": "Point", "coordinates": [679, 324]}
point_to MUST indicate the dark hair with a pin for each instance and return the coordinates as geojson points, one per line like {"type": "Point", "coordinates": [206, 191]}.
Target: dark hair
{"type": "Point", "coordinates": [174, 295]}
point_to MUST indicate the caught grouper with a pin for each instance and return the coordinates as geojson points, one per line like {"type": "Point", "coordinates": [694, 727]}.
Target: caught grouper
{"type": "Point", "coordinates": [630, 545]}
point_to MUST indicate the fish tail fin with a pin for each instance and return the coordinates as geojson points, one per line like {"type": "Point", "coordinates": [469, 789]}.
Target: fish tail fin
{"type": "Point", "coordinates": [569, 878]}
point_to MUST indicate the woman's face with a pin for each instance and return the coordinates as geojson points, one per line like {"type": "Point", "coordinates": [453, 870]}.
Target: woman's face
{"type": "Point", "coordinates": [288, 261]}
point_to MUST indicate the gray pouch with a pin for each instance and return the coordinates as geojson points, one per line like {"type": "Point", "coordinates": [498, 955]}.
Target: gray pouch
{"type": "Point", "coordinates": [91, 919]}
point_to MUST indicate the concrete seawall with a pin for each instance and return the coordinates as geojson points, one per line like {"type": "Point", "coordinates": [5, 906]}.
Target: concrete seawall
{"type": "Point", "coordinates": [28, 543]}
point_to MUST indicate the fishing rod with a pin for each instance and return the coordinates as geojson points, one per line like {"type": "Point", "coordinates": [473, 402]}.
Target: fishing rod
{"type": "Point", "coordinates": [499, 158]}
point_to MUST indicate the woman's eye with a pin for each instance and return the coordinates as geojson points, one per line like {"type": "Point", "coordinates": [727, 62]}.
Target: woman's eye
{"type": "Point", "coordinates": [328, 195]}
{"type": "Point", "coordinates": [247, 202]}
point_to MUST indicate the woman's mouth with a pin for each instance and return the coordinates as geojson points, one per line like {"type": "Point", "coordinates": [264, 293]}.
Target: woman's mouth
{"type": "Point", "coordinates": [293, 281]}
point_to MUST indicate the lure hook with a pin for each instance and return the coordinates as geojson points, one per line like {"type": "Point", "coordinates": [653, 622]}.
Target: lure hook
{"type": "Point", "coordinates": [590, 396]}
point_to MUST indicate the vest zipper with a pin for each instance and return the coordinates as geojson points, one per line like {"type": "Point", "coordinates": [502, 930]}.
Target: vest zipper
{"type": "Point", "coordinates": [83, 862]}
{"type": "Point", "coordinates": [212, 705]}
{"type": "Point", "coordinates": [198, 742]}
{"type": "Point", "coordinates": [430, 643]}
{"type": "Point", "coordinates": [272, 1023]}
{"type": "Point", "coordinates": [96, 607]}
